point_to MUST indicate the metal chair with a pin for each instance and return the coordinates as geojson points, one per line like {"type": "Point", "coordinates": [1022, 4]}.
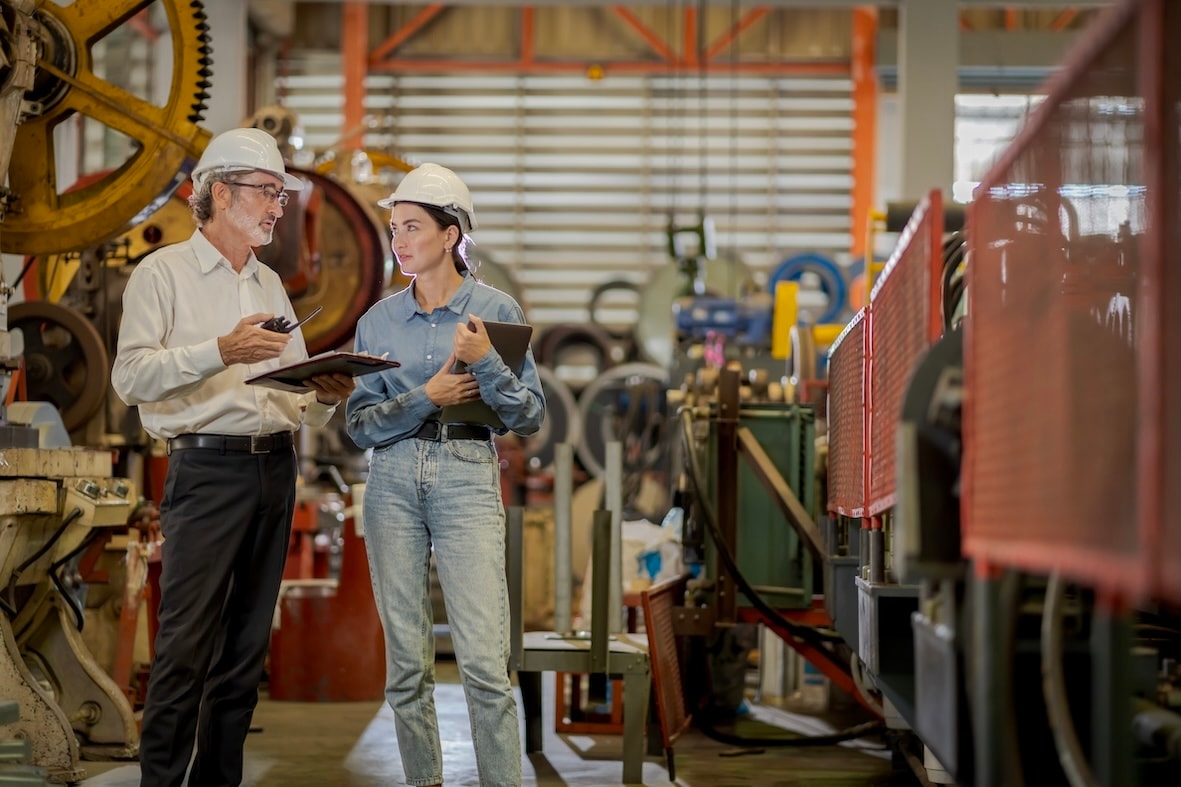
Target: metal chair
{"type": "Point", "coordinates": [535, 652]}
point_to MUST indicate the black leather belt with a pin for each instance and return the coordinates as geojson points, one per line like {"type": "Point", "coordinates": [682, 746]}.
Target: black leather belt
{"type": "Point", "coordinates": [245, 444]}
{"type": "Point", "coordinates": [437, 432]}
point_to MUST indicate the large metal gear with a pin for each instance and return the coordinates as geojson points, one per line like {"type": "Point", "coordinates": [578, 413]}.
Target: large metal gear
{"type": "Point", "coordinates": [168, 138]}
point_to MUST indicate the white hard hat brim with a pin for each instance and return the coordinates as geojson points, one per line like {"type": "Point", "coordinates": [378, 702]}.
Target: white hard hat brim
{"type": "Point", "coordinates": [290, 182]}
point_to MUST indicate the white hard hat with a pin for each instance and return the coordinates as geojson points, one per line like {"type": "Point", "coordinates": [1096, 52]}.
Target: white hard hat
{"type": "Point", "coordinates": [431, 184]}
{"type": "Point", "coordinates": [245, 149]}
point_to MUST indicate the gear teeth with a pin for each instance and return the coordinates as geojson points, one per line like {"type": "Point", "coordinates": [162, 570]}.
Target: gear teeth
{"type": "Point", "coordinates": [204, 62]}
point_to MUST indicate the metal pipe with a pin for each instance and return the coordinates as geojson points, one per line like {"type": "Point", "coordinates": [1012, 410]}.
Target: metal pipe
{"type": "Point", "coordinates": [613, 482]}
{"type": "Point", "coordinates": [563, 514]}
{"type": "Point", "coordinates": [877, 556]}
{"type": "Point", "coordinates": [600, 592]}
{"type": "Point", "coordinates": [514, 545]}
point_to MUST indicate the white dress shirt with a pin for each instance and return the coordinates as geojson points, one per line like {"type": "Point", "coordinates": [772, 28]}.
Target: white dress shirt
{"type": "Point", "coordinates": [178, 301]}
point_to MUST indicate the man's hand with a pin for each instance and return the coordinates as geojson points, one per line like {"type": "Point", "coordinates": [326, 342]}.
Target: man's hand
{"type": "Point", "coordinates": [446, 388]}
{"type": "Point", "coordinates": [248, 343]}
{"type": "Point", "coordinates": [472, 345]}
{"type": "Point", "coordinates": [331, 388]}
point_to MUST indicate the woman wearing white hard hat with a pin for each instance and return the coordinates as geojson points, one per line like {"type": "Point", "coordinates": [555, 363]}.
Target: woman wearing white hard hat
{"type": "Point", "coordinates": [437, 486]}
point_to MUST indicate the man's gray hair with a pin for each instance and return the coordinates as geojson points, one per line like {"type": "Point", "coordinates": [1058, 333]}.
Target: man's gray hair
{"type": "Point", "coordinates": [201, 200]}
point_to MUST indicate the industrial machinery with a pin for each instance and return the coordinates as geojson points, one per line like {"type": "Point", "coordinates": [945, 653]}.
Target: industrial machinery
{"type": "Point", "coordinates": [332, 252]}
{"type": "Point", "coordinates": [1000, 556]}
{"type": "Point", "coordinates": [58, 501]}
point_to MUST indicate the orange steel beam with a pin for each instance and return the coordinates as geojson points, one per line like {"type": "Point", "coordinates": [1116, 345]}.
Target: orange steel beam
{"type": "Point", "coordinates": [1063, 20]}
{"type": "Point", "coordinates": [689, 50]}
{"type": "Point", "coordinates": [630, 68]}
{"type": "Point", "coordinates": [527, 47]}
{"type": "Point", "coordinates": [1010, 18]}
{"type": "Point", "coordinates": [865, 110]}
{"type": "Point", "coordinates": [820, 658]}
{"type": "Point", "coordinates": [408, 31]}
{"type": "Point", "coordinates": [731, 35]}
{"type": "Point", "coordinates": [659, 45]}
{"type": "Point", "coordinates": [355, 65]}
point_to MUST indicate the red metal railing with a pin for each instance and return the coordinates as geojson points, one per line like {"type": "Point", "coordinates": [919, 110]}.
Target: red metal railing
{"type": "Point", "coordinates": [904, 320]}
{"type": "Point", "coordinates": [846, 420]}
{"type": "Point", "coordinates": [1070, 359]}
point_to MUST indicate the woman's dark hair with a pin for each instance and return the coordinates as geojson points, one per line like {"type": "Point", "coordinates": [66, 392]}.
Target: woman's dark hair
{"type": "Point", "coordinates": [459, 250]}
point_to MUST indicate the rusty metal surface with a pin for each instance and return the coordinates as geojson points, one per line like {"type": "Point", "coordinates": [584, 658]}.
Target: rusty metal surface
{"type": "Point", "coordinates": [54, 463]}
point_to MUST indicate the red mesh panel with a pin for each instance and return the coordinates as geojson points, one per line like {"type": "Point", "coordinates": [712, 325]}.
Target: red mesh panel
{"type": "Point", "coordinates": [905, 320]}
{"type": "Point", "coordinates": [1053, 327]}
{"type": "Point", "coordinates": [660, 605]}
{"type": "Point", "coordinates": [846, 420]}
{"type": "Point", "coordinates": [1162, 248]}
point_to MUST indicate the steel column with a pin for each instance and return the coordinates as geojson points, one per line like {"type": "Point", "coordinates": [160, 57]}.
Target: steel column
{"type": "Point", "coordinates": [928, 62]}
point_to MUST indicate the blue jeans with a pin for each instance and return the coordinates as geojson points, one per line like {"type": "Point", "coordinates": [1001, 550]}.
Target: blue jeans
{"type": "Point", "coordinates": [445, 495]}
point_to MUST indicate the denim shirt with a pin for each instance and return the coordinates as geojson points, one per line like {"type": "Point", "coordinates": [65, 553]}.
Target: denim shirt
{"type": "Point", "coordinates": [391, 405]}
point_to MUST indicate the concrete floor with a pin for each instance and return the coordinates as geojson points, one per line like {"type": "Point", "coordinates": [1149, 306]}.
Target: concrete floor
{"type": "Point", "coordinates": [353, 745]}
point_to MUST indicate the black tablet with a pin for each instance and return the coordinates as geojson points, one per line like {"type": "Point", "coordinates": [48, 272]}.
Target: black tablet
{"type": "Point", "coordinates": [290, 378]}
{"type": "Point", "coordinates": [511, 340]}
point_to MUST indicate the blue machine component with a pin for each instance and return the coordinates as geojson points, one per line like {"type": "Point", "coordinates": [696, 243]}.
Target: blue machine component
{"type": "Point", "coordinates": [832, 281]}
{"type": "Point", "coordinates": [747, 321]}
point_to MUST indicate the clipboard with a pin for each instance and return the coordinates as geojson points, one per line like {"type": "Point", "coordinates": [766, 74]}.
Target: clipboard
{"type": "Point", "coordinates": [511, 340]}
{"type": "Point", "coordinates": [290, 378]}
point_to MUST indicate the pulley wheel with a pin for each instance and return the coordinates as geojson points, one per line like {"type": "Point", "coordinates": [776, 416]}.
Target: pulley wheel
{"type": "Point", "coordinates": [65, 360]}
{"type": "Point", "coordinates": [562, 423]}
{"type": "Point", "coordinates": [577, 352]}
{"type": "Point", "coordinates": [624, 404]}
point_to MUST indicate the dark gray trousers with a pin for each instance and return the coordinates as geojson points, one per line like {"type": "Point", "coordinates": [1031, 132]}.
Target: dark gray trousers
{"type": "Point", "coordinates": [226, 520]}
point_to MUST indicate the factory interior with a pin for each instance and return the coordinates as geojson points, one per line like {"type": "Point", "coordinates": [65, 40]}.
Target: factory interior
{"type": "Point", "coordinates": [851, 322]}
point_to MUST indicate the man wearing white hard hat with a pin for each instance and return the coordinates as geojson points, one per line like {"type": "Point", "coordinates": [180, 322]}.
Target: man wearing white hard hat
{"type": "Point", "coordinates": [192, 333]}
{"type": "Point", "coordinates": [434, 484]}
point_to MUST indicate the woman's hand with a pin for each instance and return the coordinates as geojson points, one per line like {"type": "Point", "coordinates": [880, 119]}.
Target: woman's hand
{"type": "Point", "coordinates": [471, 340]}
{"type": "Point", "coordinates": [446, 388]}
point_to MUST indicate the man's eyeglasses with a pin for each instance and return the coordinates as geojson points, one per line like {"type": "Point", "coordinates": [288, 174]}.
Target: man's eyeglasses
{"type": "Point", "coordinates": [270, 192]}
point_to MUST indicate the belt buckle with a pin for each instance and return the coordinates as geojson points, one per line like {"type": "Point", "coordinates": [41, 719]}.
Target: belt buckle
{"type": "Point", "coordinates": [256, 443]}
